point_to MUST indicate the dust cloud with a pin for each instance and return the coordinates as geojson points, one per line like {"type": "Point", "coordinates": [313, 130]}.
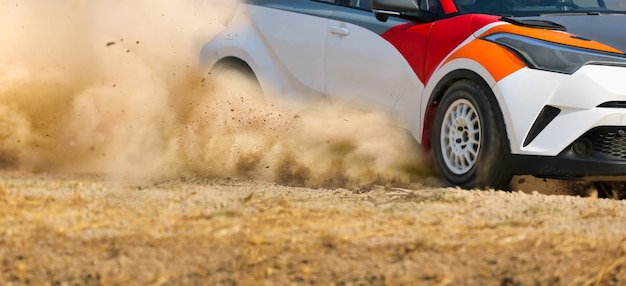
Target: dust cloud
{"type": "Point", "coordinates": [112, 87]}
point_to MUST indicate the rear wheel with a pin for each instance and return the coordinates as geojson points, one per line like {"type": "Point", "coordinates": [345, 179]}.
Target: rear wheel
{"type": "Point", "coordinates": [469, 141]}
{"type": "Point", "coordinates": [234, 77]}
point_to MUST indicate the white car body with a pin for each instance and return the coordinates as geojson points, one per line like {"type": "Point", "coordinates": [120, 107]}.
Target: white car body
{"type": "Point", "coordinates": [307, 49]}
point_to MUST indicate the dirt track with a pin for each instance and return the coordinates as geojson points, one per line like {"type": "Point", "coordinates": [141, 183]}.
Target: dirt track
{"type": "Point", "coordinates": [78, 229]}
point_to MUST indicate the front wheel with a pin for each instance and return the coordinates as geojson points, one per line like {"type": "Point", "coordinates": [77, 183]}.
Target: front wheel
{"type": "Point", "coordinates": [469, 141]}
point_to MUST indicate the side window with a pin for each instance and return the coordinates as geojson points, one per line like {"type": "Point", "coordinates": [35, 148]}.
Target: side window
{"type": "Point", "coordinates": [361, 4]}
{"type": "Point", "coordinates": [589, 3]}
{"type": "Point", "coordinates": [429, 5]}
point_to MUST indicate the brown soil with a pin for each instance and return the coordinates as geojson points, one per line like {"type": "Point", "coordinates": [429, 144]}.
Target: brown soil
{"type": "Point", "coordinates": [88, 230]}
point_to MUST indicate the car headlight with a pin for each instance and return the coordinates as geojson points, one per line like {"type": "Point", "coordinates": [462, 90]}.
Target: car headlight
{"type": "Point", "coordinates": [544, 55]}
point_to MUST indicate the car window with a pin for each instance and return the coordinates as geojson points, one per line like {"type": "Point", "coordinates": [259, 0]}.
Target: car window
{"type": "Point", "coordinates": [429, 5]}
{"type": "Point", "coordinates": [328, 1]}
{"type": "Point", "coordinates": [337, 2]}
{"type": "Point", "coordinates": [361, 4]}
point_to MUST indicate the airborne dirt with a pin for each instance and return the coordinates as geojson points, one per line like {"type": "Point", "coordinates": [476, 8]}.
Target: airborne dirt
{"type": "Point", "coordinates": [121, 164]}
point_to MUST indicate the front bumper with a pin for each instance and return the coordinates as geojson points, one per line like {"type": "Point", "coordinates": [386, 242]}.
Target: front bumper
{"type": "Point", "coordinates": [579, 98]}
{"type": "Point", "coordinates": [600, 153]}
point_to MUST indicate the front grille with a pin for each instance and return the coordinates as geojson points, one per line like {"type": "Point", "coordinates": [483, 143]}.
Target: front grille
{"type": "Point", "coordinates": [610, 141]}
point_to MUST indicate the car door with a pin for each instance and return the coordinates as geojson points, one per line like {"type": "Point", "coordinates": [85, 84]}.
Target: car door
{"type": "Point", "coordinates": [361, 65]}
{"type": "Point", "coordinates": [295, 31]}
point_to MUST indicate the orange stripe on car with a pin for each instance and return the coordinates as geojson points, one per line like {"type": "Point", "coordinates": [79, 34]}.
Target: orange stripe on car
{"type": "Point", "coordinates": [552, 36]}
{"type": "Point", "coordinates": [491, 57]}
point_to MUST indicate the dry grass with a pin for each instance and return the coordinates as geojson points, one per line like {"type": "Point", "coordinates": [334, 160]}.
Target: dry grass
{"type": "Point", "coordinates": [65, 230]}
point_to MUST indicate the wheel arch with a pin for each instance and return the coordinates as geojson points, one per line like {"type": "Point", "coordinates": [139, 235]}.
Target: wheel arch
{"type": "Point", "coordinates": [437, 94]}
{"type": "Point", "coordinates": [247, 68]}
{"type": "Point", "coordinates": [234, 62]}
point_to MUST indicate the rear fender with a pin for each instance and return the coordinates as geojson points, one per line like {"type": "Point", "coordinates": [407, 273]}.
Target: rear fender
{"type": "Point", "coordinates": [241, 40]}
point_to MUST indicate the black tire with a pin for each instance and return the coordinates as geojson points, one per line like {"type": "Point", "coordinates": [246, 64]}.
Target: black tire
{"type": "Point", "coordinates": [470, 147]}
{"type": "Point", "coordinates": [611, 190]}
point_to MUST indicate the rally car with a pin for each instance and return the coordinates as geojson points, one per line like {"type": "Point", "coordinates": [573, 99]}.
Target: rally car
{"type": "Point", "coordinates": [488, 88]}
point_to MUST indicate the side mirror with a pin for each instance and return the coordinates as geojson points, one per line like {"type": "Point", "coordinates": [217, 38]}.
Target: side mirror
{"type": "Point", "coordinates": [407, 9]}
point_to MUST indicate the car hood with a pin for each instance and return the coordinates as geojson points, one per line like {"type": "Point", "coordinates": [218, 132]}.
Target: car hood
{"type": "Point", "coordinates": [604, 28]}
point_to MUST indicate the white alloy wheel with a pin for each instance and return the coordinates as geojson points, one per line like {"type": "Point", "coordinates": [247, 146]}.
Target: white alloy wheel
{"type": "Point", "coordinates": [460, 136]}
{"type": "Point", "coordinates": [469, 143]}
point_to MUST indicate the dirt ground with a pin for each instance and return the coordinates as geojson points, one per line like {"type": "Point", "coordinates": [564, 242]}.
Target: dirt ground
{"type": "Point", "coordinates": [72, 229]}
